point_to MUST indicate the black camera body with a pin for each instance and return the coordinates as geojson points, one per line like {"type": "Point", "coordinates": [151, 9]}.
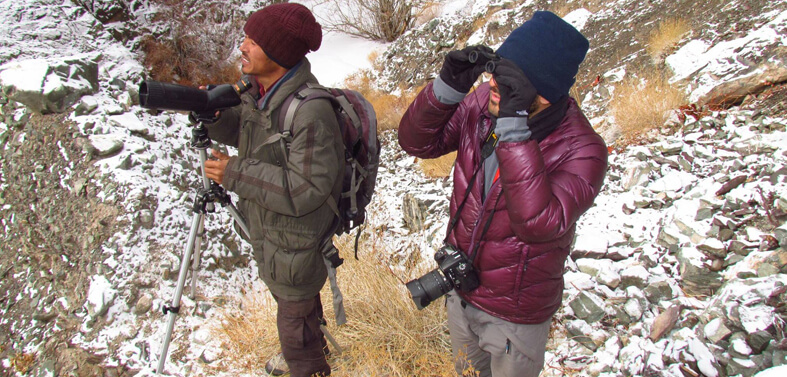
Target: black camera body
{"type": "Point", "coordinates": [454, 270]}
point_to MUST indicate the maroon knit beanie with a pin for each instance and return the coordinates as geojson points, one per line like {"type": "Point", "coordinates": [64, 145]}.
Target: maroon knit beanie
{"type": "Point", "coordinates": [285, 32]}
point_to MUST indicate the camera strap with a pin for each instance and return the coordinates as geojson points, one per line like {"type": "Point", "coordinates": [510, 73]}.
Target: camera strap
{"type": "Point", "coordinates": [486, 150]}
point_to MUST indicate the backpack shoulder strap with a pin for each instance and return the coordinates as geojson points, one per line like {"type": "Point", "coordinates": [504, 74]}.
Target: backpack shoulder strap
{"type": "Point", "coordinates": [292, 103]}
{"type": "Point", "coordinates": [290, 106]}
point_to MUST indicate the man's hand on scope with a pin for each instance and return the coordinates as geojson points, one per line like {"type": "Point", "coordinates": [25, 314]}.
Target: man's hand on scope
{"type": "Point", "coordinates": [206, 117]}
{"type": "Point", "coordinates": [214, 169]}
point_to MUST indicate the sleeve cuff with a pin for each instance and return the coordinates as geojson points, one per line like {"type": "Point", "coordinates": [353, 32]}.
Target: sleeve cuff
{"type": "Point", "coordinates": [230, 173]}
{"type": "Point", "coordinates": [512, 129]}
{"type": "Point", "coordinates": [446, 94]}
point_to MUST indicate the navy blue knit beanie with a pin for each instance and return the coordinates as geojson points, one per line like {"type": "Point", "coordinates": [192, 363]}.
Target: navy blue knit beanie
{"type": "Point", "coordinates": [549, 51]}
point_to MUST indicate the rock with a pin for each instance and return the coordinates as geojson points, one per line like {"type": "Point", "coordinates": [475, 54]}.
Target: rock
{"type": "Point", "coordinates": [101, 295]}
{"type": "Point", "coordinates": [741, 367]}
{"type": "Point", "coordinates": [664, 323]}
{"type": "Point", "coordinates": [696, 276]}
{"type": "Point", "coordinates": [416, 207]}
{"type": "Point", "coordinates": [131, 122]}
{"type": "Point", "coordinates": [659, 291]}
{"type": "Point", "coordinates": [580, 332]}
{"type": "Point", "coordinates": [103, 145]}
{"type": "Point", "coordinates": [86, 106]}
{"type": "Point", "coordinates": [738, 346]}
{"type": "Point", "coordinates": [636, 276]}
{"type": "Point", "coordinates": [589, 246]}
{"type": "Point", "coordinates": [143, 305]}
{"type": "Point", "coordinates": [146, 218]}
{"type": "Point", "coordinates": [716, 331]}
{"type": "Point", "coordinates": [706, 361]}
{"type": "Point", "coordinates": [781, 235]}
{"type": "Point", "coordinates": [53, 86]}
{"type": "Point", "coordinates": [713, 248]}
{"type": "Point", "coordinates": [636, 175]}
{"type": "Point", "coordinates": [588, 306]}
{"type": "Point", "coordinates": [758, 341]}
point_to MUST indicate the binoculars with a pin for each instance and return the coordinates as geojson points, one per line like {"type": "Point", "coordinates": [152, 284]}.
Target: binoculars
{"type": "Point", "coordinates": [489, 59]}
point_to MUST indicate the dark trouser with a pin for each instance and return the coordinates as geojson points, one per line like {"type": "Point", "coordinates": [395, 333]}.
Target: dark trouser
{"type": "Point", "coordinates": [302, 342]}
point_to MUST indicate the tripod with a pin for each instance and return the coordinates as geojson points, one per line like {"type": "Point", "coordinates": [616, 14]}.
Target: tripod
{"type": "Point", "coordinates": [203, 203]}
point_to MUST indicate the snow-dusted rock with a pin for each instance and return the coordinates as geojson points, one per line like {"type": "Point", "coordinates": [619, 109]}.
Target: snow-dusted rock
{"type": "Point", "coordinates": [47, 86]}
{"type": "Point", "coordinates": [588, 306]}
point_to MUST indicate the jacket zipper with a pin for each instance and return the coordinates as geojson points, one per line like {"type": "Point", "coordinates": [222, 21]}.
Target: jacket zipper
{"type": "Point", "coordinates": [481, 217]}
{"type": "Point", "coordinates": [486, 197]}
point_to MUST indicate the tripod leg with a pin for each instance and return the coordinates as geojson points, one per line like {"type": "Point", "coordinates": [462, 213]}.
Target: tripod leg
{"type": "Point", "coordinates": [197, 219]}
{"type": "Point", "coordinates": [239, 219]}
{"type": "Point", "coordinates": [196, 258]}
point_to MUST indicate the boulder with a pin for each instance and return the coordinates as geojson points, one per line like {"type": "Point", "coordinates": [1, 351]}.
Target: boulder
{"type": "Point", "coordinates": [50, 86]}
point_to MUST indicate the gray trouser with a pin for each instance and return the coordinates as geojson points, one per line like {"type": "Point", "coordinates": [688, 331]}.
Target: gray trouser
{"type": "Point", "coordinates": [491, 346]}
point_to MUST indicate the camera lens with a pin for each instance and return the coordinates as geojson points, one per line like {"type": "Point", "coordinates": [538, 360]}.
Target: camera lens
{"type": "Point", "coordinates": [428, 288]}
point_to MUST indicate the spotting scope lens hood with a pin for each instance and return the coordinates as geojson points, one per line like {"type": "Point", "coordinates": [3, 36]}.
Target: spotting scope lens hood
{"type": "Point", "coordinates": [163, 96]}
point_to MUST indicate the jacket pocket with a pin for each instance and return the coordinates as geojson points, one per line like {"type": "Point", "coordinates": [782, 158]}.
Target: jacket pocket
{"type": "Point", "coordinates": [273, 150]}
{"type": "Point", "coordinates": [296, 268]}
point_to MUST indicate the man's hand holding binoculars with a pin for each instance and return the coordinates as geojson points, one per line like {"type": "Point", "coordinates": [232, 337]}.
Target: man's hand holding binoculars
{"type": "Point", "coordinates": [461, 70]}
{"type": "Point", "coordinates": [462, 67]}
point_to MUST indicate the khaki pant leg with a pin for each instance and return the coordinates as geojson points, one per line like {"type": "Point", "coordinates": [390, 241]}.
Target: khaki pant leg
{"type": "Point", "coordinates": [494, 347]}
{"type": "Point", "coordinates": [469, 358]}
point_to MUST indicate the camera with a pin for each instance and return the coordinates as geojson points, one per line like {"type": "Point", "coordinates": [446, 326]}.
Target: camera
{"type": "Point", "coordinates": [162, 96]}
{"type": "Point", "coordinates": [454, 269]}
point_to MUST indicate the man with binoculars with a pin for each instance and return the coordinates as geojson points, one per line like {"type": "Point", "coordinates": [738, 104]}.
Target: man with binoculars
{"type": "Point", "coordinates": [284, 181]}
{"type": "Point", "coordinates": [528, 165]}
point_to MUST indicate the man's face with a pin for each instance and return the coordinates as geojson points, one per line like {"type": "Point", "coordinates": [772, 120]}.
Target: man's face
{"type": "Point", "coordinates": [254, 61]}
{"type": "Point", "coordinates": [540, 103]}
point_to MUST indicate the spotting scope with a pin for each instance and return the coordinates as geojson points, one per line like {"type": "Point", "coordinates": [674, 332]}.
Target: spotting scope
{"type": "Point", "coordinates": [163, 96]}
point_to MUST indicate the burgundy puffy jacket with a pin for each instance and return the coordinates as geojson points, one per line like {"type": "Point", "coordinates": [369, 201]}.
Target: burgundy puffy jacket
{"type": "Point", "coordinates": [545, 186]}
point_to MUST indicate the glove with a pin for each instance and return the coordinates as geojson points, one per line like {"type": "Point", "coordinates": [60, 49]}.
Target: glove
{"type": "Point", "coordinates": [517, 93]}
{"type": "Point", "coordinates": [459, 73]}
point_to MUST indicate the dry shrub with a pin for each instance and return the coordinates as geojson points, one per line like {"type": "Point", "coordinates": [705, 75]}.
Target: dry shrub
{"type": "Point", "coordinates": [385, 334]}
{"type": "Point", "coordinates": [199, 45]}
{"type": "Point", "coordinates": [666, 36]}
{"type": "Point", "coordinates": [388, 107]}
{"type": "Point", "coordinates": [643, 104]}
{"type": "Point", "coordinates": [378, 20]}
{"type": "Point", "coordinates": [22, 362]}
{"type": "Point", "coordinates": [438, 167]}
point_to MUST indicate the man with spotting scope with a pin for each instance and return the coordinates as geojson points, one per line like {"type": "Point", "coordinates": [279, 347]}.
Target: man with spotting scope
{"type": "Point", "coordinates": [284, 181]}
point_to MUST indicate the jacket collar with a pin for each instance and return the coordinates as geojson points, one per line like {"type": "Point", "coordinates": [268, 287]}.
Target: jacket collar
{"type": "Point", "coordinates": [289, 83]}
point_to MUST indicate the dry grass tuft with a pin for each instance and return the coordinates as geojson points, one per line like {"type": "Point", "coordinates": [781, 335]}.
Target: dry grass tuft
{"type": "Point", "coordinates": [438, 167]}
{"type": "Point", "coordinates": [666, 36]}
{"type": "Point", "coordinates": [250, 335]}
{"type": "Point", "coordinates": [22, 362]}
{"type": "Point", "coordinates": [389, 107]}
{"type": "Point", "coordinates": [643, 104]}
{"type": "Point", "coordinates": [385, 334]}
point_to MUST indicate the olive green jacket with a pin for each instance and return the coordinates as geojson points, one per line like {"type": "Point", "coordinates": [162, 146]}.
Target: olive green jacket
{"type": "Point", "coordinates": [283, 191]}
